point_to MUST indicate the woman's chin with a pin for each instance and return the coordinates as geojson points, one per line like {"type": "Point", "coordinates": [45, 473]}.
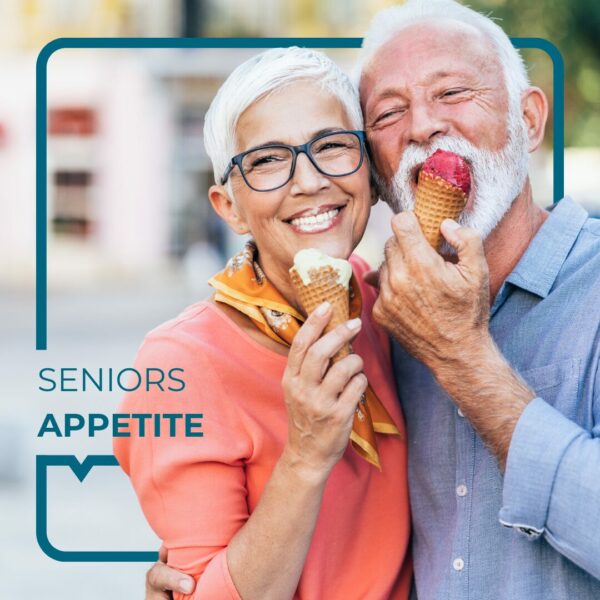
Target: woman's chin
{"type": "Point", "coordinates": [334, 247]}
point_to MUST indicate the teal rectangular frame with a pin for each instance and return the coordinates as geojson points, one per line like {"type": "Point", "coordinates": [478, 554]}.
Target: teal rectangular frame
{"type": "Point", "coordinates": [41, 216]}
{"type": "Point", "coordinates": [81, 469]}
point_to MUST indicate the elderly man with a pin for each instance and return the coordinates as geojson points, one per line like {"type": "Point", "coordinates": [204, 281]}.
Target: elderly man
{"type": "Point", "coordinates": [498, 353]}
{"type": "Point", "coordinates": [498, 375]}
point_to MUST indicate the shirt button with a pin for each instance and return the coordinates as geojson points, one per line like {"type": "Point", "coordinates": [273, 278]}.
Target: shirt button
{"type": "Point", "coordinates": [458, 564]}
{"type": "Point", "coordinates": [461, 490]}
{"type": "Point", "coordinates": [460, 413]}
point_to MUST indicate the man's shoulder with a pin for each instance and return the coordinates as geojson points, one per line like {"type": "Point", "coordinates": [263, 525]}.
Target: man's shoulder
{"type": "Point", "coordinates": [585, 254]}
{"type": "Point", "coordinates": [591, 227]}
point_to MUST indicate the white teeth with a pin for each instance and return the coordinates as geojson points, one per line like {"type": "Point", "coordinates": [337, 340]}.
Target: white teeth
{"type": "Point", "coordinates": [314, 222]}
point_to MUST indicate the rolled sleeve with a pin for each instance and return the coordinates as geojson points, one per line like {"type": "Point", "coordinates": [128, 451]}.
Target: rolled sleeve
{"type": "Point", "coordinates": [215, 582]}
{"type": "Point", "coordinates": [551, 485]}
{"type": "Point", "coordinates": [539, 442]}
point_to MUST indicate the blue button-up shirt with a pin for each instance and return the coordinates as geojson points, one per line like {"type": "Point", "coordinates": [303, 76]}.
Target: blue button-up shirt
{"type": "Point", "coordinates": [534, 533]}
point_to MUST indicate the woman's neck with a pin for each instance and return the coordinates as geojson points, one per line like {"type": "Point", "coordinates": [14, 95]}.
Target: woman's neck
{"type": "Point", "coordinates": [279, 277]}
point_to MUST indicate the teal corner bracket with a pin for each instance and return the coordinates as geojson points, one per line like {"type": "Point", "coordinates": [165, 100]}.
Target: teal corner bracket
{"type": "Point", "coordinates": [80, 470]}
{"type": "Point", "coordinates": [41, 217]}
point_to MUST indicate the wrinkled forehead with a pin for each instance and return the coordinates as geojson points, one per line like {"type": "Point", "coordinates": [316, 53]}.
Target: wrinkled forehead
{"type": "Point", "coordinates": [432, 44]}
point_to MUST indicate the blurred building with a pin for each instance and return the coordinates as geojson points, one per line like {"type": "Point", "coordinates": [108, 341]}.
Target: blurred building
{"type": "Point", "coordinates": [32, 23]}
{"type": "Point", "coordinates": [127, 171]}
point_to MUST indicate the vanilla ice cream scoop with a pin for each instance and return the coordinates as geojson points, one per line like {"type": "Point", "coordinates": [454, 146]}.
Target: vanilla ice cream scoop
{"type": "Point", "coordinates": [311, 258]}
{"type": "Point", "coordinates": [318, 278]}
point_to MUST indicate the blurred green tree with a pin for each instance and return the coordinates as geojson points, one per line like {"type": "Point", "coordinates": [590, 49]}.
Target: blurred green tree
{"type": "Point", "coordinates": [574, 27]}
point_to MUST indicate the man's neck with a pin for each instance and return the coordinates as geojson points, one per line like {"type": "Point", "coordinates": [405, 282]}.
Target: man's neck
{"type": "Point", "coordinates": [507, 243]}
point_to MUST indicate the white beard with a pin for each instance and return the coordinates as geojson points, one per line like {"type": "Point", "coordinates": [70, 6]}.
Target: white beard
{"type": "Point", "coordinates": [497, 178]}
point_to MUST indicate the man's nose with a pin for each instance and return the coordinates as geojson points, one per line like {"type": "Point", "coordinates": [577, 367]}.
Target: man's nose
{"type": "Point", "coordinates": [307, 179]}
{"type": "Point", "coordinates": [425, 124]}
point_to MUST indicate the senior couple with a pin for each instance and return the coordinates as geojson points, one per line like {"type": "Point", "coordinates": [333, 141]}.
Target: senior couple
{"type": "Point", "coordinates": [494, 356]}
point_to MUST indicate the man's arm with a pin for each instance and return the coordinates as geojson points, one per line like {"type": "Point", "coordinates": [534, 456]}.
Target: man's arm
{"type": "Point", "coordinates": [551, 485]}
{"type": "Point", "coordinates": [439, 312]}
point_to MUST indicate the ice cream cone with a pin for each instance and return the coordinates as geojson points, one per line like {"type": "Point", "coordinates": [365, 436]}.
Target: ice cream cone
{"type": "Point", "coordinates": [323, 285]}
{"type": "Point", "coordinates": [436, 200]}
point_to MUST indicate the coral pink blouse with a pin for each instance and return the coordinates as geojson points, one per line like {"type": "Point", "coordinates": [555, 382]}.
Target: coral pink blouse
{"type": "Point", "coordinates": [196, 492]}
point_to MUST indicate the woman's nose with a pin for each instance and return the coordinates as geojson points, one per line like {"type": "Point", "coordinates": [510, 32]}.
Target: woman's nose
{"type": "Point", "coordinates": [424, 123]}
{"type": "Point", "coordinates": [307, 179]}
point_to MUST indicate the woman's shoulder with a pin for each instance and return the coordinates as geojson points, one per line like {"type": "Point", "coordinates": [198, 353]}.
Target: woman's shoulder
{"type": "Point", "coordinates": [376, 335]}
{"type": "Point", "coordinates": [194, 333]}
{"type": "Point", "coordinates": [194, 318]}
{"type": "Point", "coordinates": [198, 323]}
{"type": "Point", "coordinates": [360, 267]}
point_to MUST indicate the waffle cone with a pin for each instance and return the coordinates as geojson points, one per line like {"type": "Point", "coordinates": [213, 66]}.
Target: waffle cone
{"type": "Point", "coordinates": [435, 201]}
{"type": "Point", "coordinates": [324, 287]}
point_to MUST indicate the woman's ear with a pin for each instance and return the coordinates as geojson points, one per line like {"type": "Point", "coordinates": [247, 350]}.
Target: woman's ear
{"type": "Point", "coordinates": [534, 107]}
{"type": "Point", "coordinates": [227, 209]}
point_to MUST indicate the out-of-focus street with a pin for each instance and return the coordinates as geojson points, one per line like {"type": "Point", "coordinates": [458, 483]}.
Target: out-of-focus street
{"type": "Point", "coordinates": [93, 329]}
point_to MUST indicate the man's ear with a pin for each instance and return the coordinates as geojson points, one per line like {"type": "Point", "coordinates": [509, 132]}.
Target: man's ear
{"type": "Point", "coordinates": [227, 209]}
{"type": "Point", "coordinates": [534, 106]}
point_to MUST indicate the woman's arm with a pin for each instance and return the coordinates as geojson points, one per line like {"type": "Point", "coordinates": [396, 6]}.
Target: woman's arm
{"type": "Point", "coordinates": [194, 494]}
{"type": "Point", "coordinates": [266, 556]}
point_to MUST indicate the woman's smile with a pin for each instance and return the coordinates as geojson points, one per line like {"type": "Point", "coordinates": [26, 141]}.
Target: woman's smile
{"type": "Point", "coordinates": [316, 220]}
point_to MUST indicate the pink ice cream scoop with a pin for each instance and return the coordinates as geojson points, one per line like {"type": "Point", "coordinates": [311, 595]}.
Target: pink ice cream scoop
{"type": "Point", "coordinates": [442, 190]}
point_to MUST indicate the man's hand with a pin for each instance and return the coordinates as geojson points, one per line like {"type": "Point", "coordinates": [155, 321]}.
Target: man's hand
{"type": "Point", "coordinates": [434, 308]}
{"type": "Point", "coordinates": [439, 312]}
{"type": "Point", "coordinates": [161, 580]}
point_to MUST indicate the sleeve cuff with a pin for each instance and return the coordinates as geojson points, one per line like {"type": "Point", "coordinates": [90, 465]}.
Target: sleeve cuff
{"type": "Point", "coordinates": [215, 583]}
{"type": "Point", "coordinates": [540, 439]}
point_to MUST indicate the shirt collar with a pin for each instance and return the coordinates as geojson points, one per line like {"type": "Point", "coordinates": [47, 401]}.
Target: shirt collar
{"type": "Point", "coordinates": [538, 268]}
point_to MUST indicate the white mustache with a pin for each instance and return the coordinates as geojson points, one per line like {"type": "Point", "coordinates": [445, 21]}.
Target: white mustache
{"type": "Point", "coordinates": [497, 177]}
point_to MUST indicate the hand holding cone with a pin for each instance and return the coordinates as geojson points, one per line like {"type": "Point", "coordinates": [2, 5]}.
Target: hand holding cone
{"type": "Point", "coordinates": [442, 191]}
{"type": "Point", "coordinates": [317, 278]}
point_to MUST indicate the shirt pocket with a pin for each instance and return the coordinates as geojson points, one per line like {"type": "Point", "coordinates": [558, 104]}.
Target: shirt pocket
{"type": "Point", "coordinates": [558, 385]}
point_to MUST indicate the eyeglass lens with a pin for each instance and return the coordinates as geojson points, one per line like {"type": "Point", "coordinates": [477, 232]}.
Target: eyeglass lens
{"type": "Point", "coordinates": [336, 154]}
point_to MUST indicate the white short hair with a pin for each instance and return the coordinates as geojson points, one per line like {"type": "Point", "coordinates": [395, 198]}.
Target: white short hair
{"type": "Point", "coordinates": [387, 23]}
{"type": "Point", "coordinates": [261, 75]}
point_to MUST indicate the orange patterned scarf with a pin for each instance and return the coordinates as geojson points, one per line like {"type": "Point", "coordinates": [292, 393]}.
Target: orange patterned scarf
{"type": "Point", "coordinates": [243, 285]}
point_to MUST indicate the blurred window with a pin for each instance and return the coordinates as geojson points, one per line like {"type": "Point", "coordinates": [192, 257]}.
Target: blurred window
{"type": "Point", "coordinates": [72, 203]}
{"type": "Point", "coordinates": [72, 121]}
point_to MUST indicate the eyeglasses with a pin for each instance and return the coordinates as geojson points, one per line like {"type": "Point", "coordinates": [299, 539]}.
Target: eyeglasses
{"type": "Point", "coordinates": [269, 167]}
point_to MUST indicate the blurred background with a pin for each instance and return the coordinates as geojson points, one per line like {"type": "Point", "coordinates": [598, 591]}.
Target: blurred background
{"type": "Point", "coordinates": [131, 237]}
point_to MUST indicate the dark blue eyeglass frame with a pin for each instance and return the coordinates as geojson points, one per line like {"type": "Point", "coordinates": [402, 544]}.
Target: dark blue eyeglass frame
{"type": "Point", "coordinates": [295, 150]}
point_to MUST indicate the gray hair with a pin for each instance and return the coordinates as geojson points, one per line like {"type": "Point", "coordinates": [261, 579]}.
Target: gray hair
{"type": "Point", "coordinates": [387, 23]}
{"type": "Point", "coordinates": [260, 76]}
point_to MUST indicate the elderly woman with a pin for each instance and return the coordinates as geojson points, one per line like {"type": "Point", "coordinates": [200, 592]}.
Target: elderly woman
{"type": "Point", "coordinates": [273, 501]}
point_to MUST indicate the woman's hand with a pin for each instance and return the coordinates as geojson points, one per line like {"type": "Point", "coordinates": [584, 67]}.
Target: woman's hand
{"type": "Point", "coordinates": [321, 399]}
